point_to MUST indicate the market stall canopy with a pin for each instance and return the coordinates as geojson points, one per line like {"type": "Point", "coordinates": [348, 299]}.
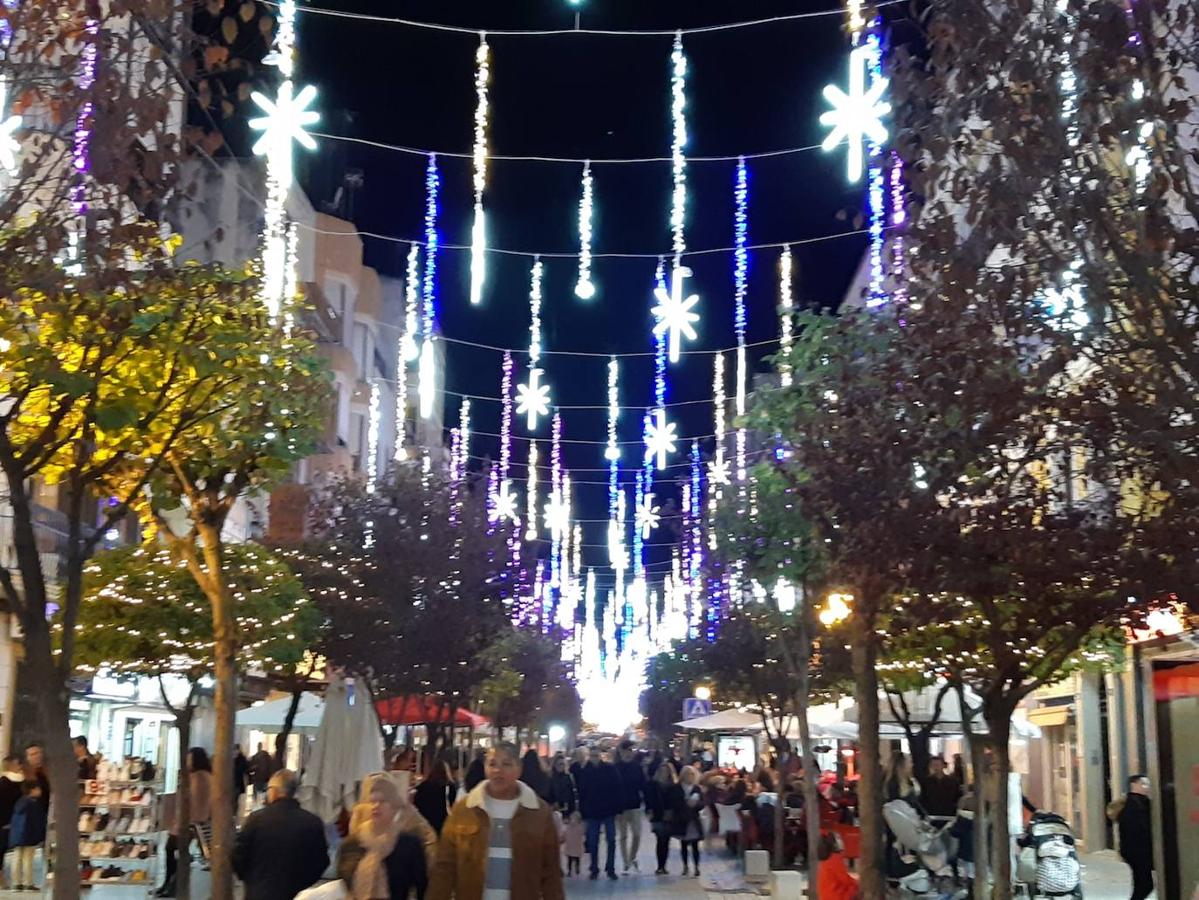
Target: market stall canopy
{"type": "Point", "coordinates": [417, 709]}
{"type": "Point", "coordinates": [725, 720]}
{"type": "Point", "coordinates": [269, 716]}
{"type": "Point", "coordinates": [921, 705]}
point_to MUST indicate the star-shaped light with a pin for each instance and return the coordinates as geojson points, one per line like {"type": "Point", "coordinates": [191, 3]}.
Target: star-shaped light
{"type": "Point", "coordinates": [557, 517]}
{"type": "Point", "coordinates": [648, 515]}
{"type": "Point", "coordinates": [533, 398]}
{"type": "Point", "coordinates": [673, 312]}
{"type": "Point", "coordinates": [856, 116]}
{"type": "Point", "coordinates": [505, 504]}
{"type": "Point", "coordinates": [661, 438]}
{"type": "Point", "coordinates": [9, 146]}
{"type": "Point", "coordinates": [718, 472]}
{"type": "Point", "coordinates": [284, 119]}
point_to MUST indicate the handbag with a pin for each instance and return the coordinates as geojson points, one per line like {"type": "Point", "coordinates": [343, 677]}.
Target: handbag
{"type": "Point", "coordinates": [330, 890]}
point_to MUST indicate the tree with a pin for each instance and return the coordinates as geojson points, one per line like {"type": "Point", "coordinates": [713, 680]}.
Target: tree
{"type": "Point", "coordinates": [415, 582]}
{"type": "Point", "coordinates": [529, 673]}
{"type": "Point", "coordinates": [143, 614]}
{"type": "Point", "coordinates": [670, 679]}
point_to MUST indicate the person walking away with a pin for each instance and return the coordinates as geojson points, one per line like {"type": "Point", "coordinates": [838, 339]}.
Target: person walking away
{"type": "Point", "coordinates": [500, 841]}
{"type": "Point", "coordinates": [833, 881]}
{"type": "Point", "coordinates": [475, 773]}
{"type": "Point", "coordinates": [632, 785]}
{"type": "Point", "coordinates": [663, 801]}
{"type": "Point", "coordinates": [1136, 836]}
{"type": "Point", "coordinates": [532, 773]}
{"type": "Point", "coordinates": [241, 777]}
{"type": "Point", "coordinates": [260, 768]}
{"type": "Point", "coordinates": [381, 859]}
{"type": "Point", "coordinates": [692, 831]}
{"type": "Point", "coordinates": [27, 833]}
{"type": "Point", "coordinates": [281, 848]}
{"type": "Point", "coordinates": [564, 793]}
{"type": "Point", "coordinates": [85, 761]}
{"type": "Point", "coordinates": [940, 791]}
{"type": "Point", "coordinates": [575, 843]}
{"type": "Point", "coordinates": [601, 800]}
{"type": "Point", "coordinates": [199, 785]}
{"type": "Point", "coordinates": [35, 770]}
{"type": "Point", "coordinates": [10, 792]}
{"type": "Point", "coordinates": [435, 795]}
{"type": "Point", "coordinates": [579, 759]}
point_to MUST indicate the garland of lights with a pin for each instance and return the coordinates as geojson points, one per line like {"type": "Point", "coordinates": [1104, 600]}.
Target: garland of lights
{"type": "Point", "coordinates": [531, 489]}
{"type": "Point", "coordinates": [786, 310]}
{"type": "Point", "coordinates": [740, 275]}
{"type": "Point", "coordinates": [585, 287]}
{"type": "Point", "coordinates": [374, 415]}
{"type": "Point", "coordinates": [428, 363]}
{"type": "Point", "coordinates": [81, 151]}
{"type": "Point", "coordinates": [406, 352]}
{"type": "Point", "coordinates": [876, 194]}
{"type": "Point", "coordinates": [533, 398]}
{"type": "Point", "coordinates": [478, 231]}
{"type": "Point", "coordinates": [678, 110]}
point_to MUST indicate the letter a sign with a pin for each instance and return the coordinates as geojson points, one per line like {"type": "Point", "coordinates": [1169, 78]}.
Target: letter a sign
{"type": "Point", "coordinates": [694, 708]}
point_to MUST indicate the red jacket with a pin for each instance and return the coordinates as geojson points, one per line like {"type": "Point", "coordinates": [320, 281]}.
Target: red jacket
{"type": "Point", "coordinates": [833, 881]}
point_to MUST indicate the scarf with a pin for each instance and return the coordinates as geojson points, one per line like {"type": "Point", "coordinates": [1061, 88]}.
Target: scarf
{"type": "Point", "coordinates": [370, 878]}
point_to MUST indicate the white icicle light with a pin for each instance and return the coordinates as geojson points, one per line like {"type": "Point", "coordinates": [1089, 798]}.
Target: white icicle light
{"type": "Point", "coordinates": [533, 398]}
{"type": "Point", "coordinates": [786, 308]}
{"type": "Point", "coordinates": [856, 116]}
{"type": "Point", "coordinates": [585, 287]}
{"type": "Point", "coordinates": [478, 231]}
{"type": "Point", "coordinates": [612, 453]}
{"type": "Point", "coordinates": [674, 312]}
{"type": "Point", "coordinates": [718, 471]}
{"type": "Point", "coordinates": [374, 415]}
{"type": "Point", "coordinates": [531, 485]}
{"type": "Point", "coordinates": [409, 350]}
{"type": "Point", "coordinates": [464, 437]}
{"type": "Point", "coordinates": [678, 109]}
{"type": "Point", "coordinates": [427, 376]}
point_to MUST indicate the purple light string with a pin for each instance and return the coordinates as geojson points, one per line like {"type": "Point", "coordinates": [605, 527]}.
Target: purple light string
{"type": "Point", "coordinates": [81, 154]}
{"type": "Point", "coordinates": [556, 498]}
{"type": "Point", "coordinates": [898, 217]}
{"type": "Point", "coordinates": [429, 286]}
{"type": "Point", "coordinates": [695, 533]}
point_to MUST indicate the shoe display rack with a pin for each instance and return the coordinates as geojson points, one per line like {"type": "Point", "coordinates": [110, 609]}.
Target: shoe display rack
{"type": "Point", "coordinates": [120, 832]}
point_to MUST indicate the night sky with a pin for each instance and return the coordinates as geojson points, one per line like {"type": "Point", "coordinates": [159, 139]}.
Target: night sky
{"type": "Point", "coordinates": [748, 91]}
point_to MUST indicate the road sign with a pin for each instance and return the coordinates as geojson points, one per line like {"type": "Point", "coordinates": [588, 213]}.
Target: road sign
{"type": "Point", "coordinates": [694, 708]}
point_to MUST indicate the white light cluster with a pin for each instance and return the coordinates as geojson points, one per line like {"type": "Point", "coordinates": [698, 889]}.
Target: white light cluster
{"type": "Point", "coordinates": [612, 453]}
{"type": "Point", "coordinates": [531, 487]}
{"type": "Point", "coordinates": [718, 471]}
{"type": "Point", "coordinates": [786, 309]}
{"type": "Point", "coordinates": [856, 116]}
{"type": "Point", "coordinates": [678, 109]}
{"type": "Point", "coordinates": [407, 351]}
{"type": "Point", "coordinates": [463, 437]}
{"type": "Point", "coordinates": [10, 148]}
{"type": "Point", "coordinates": [648, 515]}
{"type": "Point", "coordinates": [661, 438]}
{"type": "Point", "coordinates": [674, 314]}
{"type": "Point", "coordinates": [533, 397]}
{"type": "Point", "coordinates": [478, 231]}
{"type": "Point", "coordinates": [427, 388]}
{"type": "Point", "coordinates": [585, 287]}
{"type": "Point", "coordinates": [374, 415]}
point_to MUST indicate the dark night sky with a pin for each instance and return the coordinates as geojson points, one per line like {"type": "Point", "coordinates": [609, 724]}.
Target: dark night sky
{"type": "Point", "coordinates": [751, 90]}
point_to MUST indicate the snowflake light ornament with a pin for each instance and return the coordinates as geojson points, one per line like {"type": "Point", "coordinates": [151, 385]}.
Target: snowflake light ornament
{"type": "Point", "coordinates": [284, 120]}
{"type": "Point", "coordinates": [533, 398]}
{"type": "Point", "coordinates": [9, 146]}
{"type": "Point", "coordinates": [661, 438]}
{"type": "Point", "coordinates": [674, 312]}
{"type": "Point", "coordinates": [856, 116]}
{"type": "Point", "coordinates": [557, 516]}
{"type": "Point", "coordinates": [718, 472]}
{"type": "Point", "coordinates": [505, 504]}
{"type": "Point", "coordinates": [648, 515]}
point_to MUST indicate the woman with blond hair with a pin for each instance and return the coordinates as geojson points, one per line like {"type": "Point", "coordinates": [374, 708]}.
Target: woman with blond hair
{"type": "Point", "coordinates": [390, 847]}
{"type": "Point", "coordinates": [692, 830]}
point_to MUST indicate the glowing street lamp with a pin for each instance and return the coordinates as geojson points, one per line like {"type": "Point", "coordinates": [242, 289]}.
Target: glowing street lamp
{"type": "Point", "coordinates": [836, 609]}
{"type": "Point", "coordinates": [703, 692]}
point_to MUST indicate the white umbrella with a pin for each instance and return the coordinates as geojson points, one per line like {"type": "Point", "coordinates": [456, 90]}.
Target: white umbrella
{"type": "Point", "coordinates": [325, 782]}
{"type": "Point", "coordinates": [365, 739]}
{"type": "Point", "coordinates": [269, 716]}
{"type": "Point", "coordinates": [725, 720]}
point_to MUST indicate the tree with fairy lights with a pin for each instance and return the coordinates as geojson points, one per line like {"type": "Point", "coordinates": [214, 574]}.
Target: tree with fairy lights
{"type": "Point", "coordinates": [144, 615]}
{"type": "Point", "coordinates": [416, 584]}
{"type": "Point", "coordinates": [531, 687]}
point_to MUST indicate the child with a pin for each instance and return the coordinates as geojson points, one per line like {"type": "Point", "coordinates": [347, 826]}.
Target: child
{"type": "Point", "coordinates": [573, 843]}
{"type": "Point", "coordinates": [27, 833]}
{"type": "Point", "coordinates": [833, 881]}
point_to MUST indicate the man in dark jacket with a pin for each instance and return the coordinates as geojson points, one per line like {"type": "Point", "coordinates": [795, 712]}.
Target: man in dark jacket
{"type": "Point", "coordinates": [259, 771]}
{"type": "Point", "coordinates": [939, 792]}
{"type": "Point", "coordinates": [601, 800]}
{"type": "Point", "coordinates": [281, 849]}
{"type": "Point", "coordinates": [628, 822]}
{"type": "Point", "coordinates": [1136, 836]}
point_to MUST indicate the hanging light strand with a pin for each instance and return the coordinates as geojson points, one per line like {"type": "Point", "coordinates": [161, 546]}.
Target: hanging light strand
{"type": "Point", "coordinates": [584, 287]}
{"type": "Point", "coordinates": [678, 108]}
{"type": "Point", "coordinates": [478, 232]}
{"type": "Point", "coordinates": [876, 191]}
{"type": "Point", "coordinates": [786, 310]}
{"type": "Point", "coordinates": [427, 386]}
{"type": "Point", "coordinates": [898, 217]}
{"type": "Point", "coordinates": [374, 416]}
{"type": "Point", "coordinates": [531, 498]}
{"type": "Point", "coordinates": [406, 351]}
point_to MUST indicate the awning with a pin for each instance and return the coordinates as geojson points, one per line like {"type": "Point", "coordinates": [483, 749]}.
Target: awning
{"type": "Point", "coordinates": [1048, 716]}
{"type": "Point", "coordinates": [269, 716]}
{"type": "Point", "coordinates": [725, 720]}
{"type": "Point", "coordinates": [420, 709]}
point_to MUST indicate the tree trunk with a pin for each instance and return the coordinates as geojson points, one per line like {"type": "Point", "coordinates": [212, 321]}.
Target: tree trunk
{"type": "Point", "coordinates": [289, 722]}
{"type": "Point", "coordinates": [870, 787]}
{"type": "Point", "coordinates": [975, 747]}
{"type": "Point", "coordinates": [811, 801]}
{"type": "Point", "coordinates": [780, 822]}
{"type": "Point", "coordinates": [183, 805]}
{"type": "Point", "coordinates": [999, 734]}
{"type": "Point", "coordinates": [225, 634]}
{"type": "Point", "coordinates": [62, 769]}
{"type": "Point", "coordinates": [918, 744]}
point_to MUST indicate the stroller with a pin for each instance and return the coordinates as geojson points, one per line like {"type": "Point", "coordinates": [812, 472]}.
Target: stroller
{"type": "Point", "coordinates": [1047, 861]}
{"type": "Point", "coordinates": [918, 861]}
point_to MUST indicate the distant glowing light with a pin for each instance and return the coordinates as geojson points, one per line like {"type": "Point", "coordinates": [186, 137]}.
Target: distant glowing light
{"type": "Point", "coordinates": [478, 232]}
{"type": "Point", "coordinates": [856, 116]}
{"type": "Point", "coordinates": [374, 415]}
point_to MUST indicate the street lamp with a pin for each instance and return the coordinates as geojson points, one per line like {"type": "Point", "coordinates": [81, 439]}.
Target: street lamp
{"type": "Point", "coordinates": [703, 693]}
{"type": "Point", "coordinates": [575, 4]}
{"type": "Point", "coordinates": [836, 609]}
{"type": "Point", "coordinates": [557, 734]}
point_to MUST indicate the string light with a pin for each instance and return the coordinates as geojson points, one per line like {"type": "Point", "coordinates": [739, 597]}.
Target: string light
{"type": "Point", "coordinates": [531, 488]}
{"type": "Point", "coordinates": [584, 287]}
{"type": "Point", "coordinates": [406, 352]}
{"type": "Point", "coordinates": [898, 217]}
{"type": "Point", "coordinates": [81, 152]}
{"type": "Point", "coordinates": [557, 516]}
{"type": "Point", "coordinates": [427, 374]}
{"type": "Point", "coordinates": [638, 537]}
{"type": "Point", "coordinates": [876, 194]}
{"type": "Point", "coordinates": [678, 108]}
{"type": "Point", "coordinates": [374, 415]}
{"type": "Point", "coordinates": [478, 231]}
{"type": "Point", "coordinates": [718, 475]}
{"type": "Point", "coordinates": [506, 418]}
{"type": "Point", "coordinates": [740, 276]}
{"type": "Point", "coordinates": [786, 309]}
{"type": "Point", "coordinates": [533, 398]}
{"type": "Point", "coordinates": [612, 453]}
{"type": "Point", "coordinates": [674, 314]}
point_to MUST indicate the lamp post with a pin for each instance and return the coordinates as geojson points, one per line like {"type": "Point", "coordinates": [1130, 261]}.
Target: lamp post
{"type": "Point", "coordinates": [836, 609]}
{"type": "Point", "coordinates": [703, 692]}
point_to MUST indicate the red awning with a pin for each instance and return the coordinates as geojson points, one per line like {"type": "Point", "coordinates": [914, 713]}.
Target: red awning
{"type": "Point", "coordinates": [423, 710]}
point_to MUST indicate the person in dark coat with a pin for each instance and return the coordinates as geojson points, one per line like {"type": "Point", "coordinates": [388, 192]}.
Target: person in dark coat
{"type": "Point", "coordinates": [26, 833]}
{"type": "Point", "coordinates": [1136, 836]}
{"type": "Point", "coordinates": [476, 772]}
{"type": "Point", "coordinates": [940, 791]}
{"type": "Point", "coordinates": [262, 764]}
{"type": "Point", "coordinates": [601, 800]}
{"type": "Point", "coordinates": [281, 849]}
{"type": "Point", "coordinates": [533, 773]}
{"type": "Point", "coordinates": [435, 795]}
{"type": "Point", "coordinates": [564, 793]}
{"type": "Point", "coordinates": [628, 822]}
{"type": "Point", "coordinates": [241, 776]}
{"type": "Point", "coordinates": [381, 856]}
{"type": "Point", "coordinates": [663, 800]}
{"type": "Point", "coordinates": [85, 761]}
{"type": "Point", "coordinates": [10, 792]}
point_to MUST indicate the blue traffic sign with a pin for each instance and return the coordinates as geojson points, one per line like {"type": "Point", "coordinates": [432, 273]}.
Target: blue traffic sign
{"type": "Point", "coordinates": [695, 708]}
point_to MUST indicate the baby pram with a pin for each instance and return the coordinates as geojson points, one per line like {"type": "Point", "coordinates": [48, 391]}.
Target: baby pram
{"type": "Point", "coordinates": [1047, 861]}
{"type": "Point", "coordinates": [918, 860]}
